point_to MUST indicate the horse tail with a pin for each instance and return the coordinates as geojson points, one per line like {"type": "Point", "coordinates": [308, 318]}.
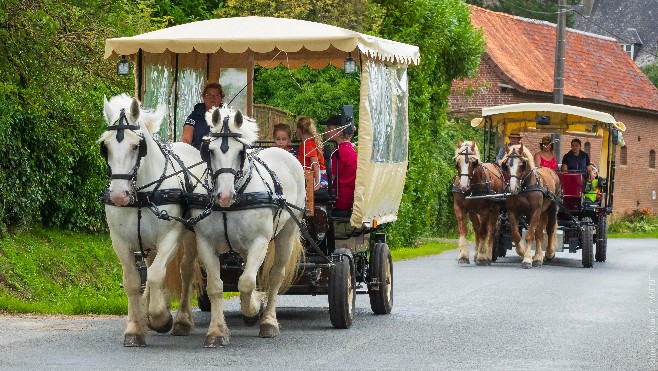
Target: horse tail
{"type": "Point", "coordinates": [296, 255]}
{"type": "Point", "coordinates": [173, 281]}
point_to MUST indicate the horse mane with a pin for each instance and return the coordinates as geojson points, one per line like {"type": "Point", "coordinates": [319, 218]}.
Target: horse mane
{"type": "Point", "coordinates": [248, 129]}
{"type": "Point", "coordinates": [468, 143]}
{"type": "Point", "coordinates": [526, 153]}
{"type": "Point", "coordinates": [150, 119]}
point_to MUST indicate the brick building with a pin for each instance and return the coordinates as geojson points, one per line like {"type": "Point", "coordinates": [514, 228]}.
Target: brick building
{"type": "Point", "coordinates": [517, 67]}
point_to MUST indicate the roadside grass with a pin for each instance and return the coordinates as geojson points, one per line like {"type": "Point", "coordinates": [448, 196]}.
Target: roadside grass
{"type": "Point", "coordinates": [633, 235]}
{"type": "Point", "coordinates": [47, 271]}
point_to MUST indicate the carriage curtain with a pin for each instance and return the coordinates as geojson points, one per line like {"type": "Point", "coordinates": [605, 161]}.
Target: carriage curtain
{"type": "Point", "coordinates": [383, 143]}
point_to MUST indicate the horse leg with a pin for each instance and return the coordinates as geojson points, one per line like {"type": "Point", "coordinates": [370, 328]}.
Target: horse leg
{"type": "Point", "coordinates": [218, 332]}
{"type": "Point", "coordinates": [159, 316]}
{"type": "Point", "coordinates": [551, 231]}
{"type": "Point", "coordinates": [529, 237]}
{"type": "Point", "coordinates": [136, 329]}
{"type": "Point", "coordinates": [483, 257]}
{"type": "Point", "coordinates": [285, 242]}
{"type": "Point", "coordinates": [463, 232]}
{"type": "Point", "coordinates": [250, 303]}
{"type": "Point", "coordinates": [514, 230]}
{"type": "Point", "coordinates": [477, 224]}
{"type": "Point", "coordinates": [538, 259]}
{"type": "Point", "coordinates": [183, 323]}
{"type": "Point", "coordinates": [492, 232]}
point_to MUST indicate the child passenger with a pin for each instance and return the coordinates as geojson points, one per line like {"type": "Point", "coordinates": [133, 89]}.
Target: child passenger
{"type": "Point", "coordinates": [308, 154]}
{"type": "Point", "coordinates": [343, 170]}
{"type": "Point", "coordinates": [282, 135]}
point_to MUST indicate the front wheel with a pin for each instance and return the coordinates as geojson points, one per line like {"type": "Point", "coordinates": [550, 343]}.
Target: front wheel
{"type": "Point", "coordinates": [342, 297]}
{"type": "Point", "coordinates": [586, 243]}
{"type": "Point", "coordinates": [601, 238]}
{"type": "Point", "coordinates": [380, 287]}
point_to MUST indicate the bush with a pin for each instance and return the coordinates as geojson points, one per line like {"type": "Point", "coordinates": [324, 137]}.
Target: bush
{"type": "Point", "coordinates": [636, 221]}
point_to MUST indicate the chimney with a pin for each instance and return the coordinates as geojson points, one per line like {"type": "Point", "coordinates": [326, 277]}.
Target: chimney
{"type": "Point", "coordinates": [587, 7]}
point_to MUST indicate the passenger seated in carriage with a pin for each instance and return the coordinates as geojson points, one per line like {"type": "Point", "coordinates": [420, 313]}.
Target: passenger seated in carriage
{"type": "Point", "coordinates": [592, 190]}
{"type": "Point", "coordinates": [514, 139]}
{"type": "Point", "coordinates": [545, 157]}
{"type": "Point", "coordinates": [343, 167]}
{"type": "Point", "coordinates": [196, 127]}
{"type": "Point", "coordinates": [282, 135]}
{"type": "Point", "coordinates": [309, 154]}
{"type": "Point", "coordinates": [577, 161]}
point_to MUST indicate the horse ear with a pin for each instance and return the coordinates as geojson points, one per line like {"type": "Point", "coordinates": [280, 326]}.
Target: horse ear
{"type": "Point", "coordinates": [459, 143]}
{"type": "Point", "coordinates": [134, 109]}
{"type": "Point", "coordinates": [506, 147]}
{"type": "Point", "coordinates": [473, 145]}
{"type": "Point", "coordinates": [107, 109]}
{"type": "Point", "coordinates": [215, 117]}
{"type": "Point", "coordinates": [238, 119]}
{"type": "Point", "coordinates": [521, 148]}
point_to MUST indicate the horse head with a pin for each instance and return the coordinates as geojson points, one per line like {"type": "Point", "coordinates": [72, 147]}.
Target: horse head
{"type": "Point", "coordinates": [467, 158]}
{"type": "Point", "coordinates": [225, 151]}
{"type": "Point", "coordinates": [518, 162]}
{"type": "Point", "coordinates": [124, 143]}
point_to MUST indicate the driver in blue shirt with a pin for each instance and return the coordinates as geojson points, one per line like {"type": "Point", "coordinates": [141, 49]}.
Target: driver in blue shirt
{"type": "Point", "coordinates": [577, 160]}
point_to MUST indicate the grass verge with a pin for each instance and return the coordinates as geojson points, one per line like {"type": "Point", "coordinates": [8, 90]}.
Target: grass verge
{"type": "Point", "coordinates": [48, 271]}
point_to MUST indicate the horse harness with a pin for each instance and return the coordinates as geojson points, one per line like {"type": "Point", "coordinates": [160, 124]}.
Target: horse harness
{"type": "Point", "coordinates": [487, 183]}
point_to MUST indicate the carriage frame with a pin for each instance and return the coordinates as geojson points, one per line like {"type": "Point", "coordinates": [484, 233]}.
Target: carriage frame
{"type": "Point", "coordinates": [582, 225]}
{"type": "Point", "coordinates": [346, 253]}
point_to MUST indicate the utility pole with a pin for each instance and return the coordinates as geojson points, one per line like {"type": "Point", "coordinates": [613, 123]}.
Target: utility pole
{"type": "Point", "coordinates": [558, 76]}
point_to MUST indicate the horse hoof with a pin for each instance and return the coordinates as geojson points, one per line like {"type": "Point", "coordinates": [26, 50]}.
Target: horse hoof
{"type": "Point", "coordinates": [537, 264]}
{"type": "Point", "coordinates": [549, 257]}
{"type": "Point", "coordinates": [463, 261]}
{"type": "Point", "coordinates": [482, 263]}
{"type": "Point", "coordinates": [132, 341]}
{"type": "Point", "coordinates": [526, 265]}
{"type": "Point", "coordinates": [181, 329]}
{"type": "Point", "coordinates": [268, 331]}
{"type": "Point", "coordinates": [164, 329]}
{"type": "Point", "coordinates": [215, 341]}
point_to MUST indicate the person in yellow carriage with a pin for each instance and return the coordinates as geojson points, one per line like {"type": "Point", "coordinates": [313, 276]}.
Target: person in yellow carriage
{"type": "Point", "coordinates": [592, 190]}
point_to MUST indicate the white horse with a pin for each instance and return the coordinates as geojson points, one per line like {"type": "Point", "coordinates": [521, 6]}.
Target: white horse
{"type": "Point", "coordinates": [236, 172]}
{"type": "Point", "coordinates": [136, 160]}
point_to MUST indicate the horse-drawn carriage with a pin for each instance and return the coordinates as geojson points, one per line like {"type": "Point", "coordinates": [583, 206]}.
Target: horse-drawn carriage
{"type": "Point", "coordinates": [581, 223]}
{"type": "Point", "coordinates": [345, 252]}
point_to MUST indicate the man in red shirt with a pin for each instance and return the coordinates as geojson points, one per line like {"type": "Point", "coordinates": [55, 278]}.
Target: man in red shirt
{"type": "Point", "coordinates": [343, 170]}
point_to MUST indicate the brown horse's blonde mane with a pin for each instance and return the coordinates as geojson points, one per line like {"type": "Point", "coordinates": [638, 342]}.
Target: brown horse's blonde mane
{"type": "Point", "coordinates": [468, 143]}
{"type": "Point", "coordinates": [525, 153]}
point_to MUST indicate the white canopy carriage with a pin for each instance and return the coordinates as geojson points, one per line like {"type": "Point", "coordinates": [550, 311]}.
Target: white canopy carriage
{"type": "Point", "coordinates": [173, 64]}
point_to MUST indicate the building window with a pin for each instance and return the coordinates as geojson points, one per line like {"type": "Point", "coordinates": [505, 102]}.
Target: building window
{"type": "Point", "coordinates": [629, 49]}
{"type": "Point", "coordinates": [623, 156]}
{"type": "Point", "coordinates": [588, 147]}
{"type": "Point", "coordinates": [652, 159]}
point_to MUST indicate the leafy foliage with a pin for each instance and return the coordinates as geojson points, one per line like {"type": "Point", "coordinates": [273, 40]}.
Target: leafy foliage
{"type": "Point", "coordinates": [652, 72]}
{"type": "Point", "coordinates": [450, 48]}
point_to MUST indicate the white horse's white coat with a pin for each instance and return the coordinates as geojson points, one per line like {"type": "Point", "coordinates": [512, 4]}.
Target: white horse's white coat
{"type": "Point", "coordinates": [160, 238]}
{"type": "Point", "coordinates": [250, 231]}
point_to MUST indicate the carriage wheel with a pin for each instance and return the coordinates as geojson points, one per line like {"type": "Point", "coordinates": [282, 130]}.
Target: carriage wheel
{"type": "Point", "coordinates": [203, 301]}
{"type": "Point", "coordinates": [601, 238]}
{"type": "Point", "coordinates": [586, 243]}
{"type": "Point", "coordinates": [342, 296]}
{"type": "Point", "coordinates": [380, 288]}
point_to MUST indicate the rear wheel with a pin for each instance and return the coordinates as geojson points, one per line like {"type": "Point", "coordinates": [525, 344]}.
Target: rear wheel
{"type": "Point", "coordinates": [341, 292]}
{"type": "Point", "coordinates": [380, 288]}
{"type": "Point", "coordinates": [601, 238]}
{"type": "Point", "coordinates": [586, 243]}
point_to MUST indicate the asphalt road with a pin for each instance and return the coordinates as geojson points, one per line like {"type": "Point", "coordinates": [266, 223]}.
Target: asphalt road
{"type": "Point", "coordinates": [445, 317]}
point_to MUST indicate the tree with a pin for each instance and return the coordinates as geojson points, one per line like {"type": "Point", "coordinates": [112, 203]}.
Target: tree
{"type": "Point", "coordinates": [651, 71]}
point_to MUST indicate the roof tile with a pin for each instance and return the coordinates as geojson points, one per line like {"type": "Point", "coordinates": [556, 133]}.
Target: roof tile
{"type": "Point", "coordinates": [595, 68]}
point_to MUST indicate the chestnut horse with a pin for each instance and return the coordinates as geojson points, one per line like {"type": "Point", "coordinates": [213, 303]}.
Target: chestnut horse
{"type": "Point", "coordinates": [533, 191]}
{"type": "Point", "coordinates": [476, 179]}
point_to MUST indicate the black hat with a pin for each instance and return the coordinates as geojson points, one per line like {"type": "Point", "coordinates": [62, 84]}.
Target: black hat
{"type": "Point", "coordinates": [333, 120]}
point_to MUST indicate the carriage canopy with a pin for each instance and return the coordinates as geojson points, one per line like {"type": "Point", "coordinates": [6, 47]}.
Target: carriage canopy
{"type": "Point", "coordinates": [173, 64]}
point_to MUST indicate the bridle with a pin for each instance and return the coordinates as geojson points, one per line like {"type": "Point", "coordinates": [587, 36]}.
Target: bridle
{"type": "Point", "coordinates": [467, 160]}
{"type": "Point", "coordinates": [119, 126]}
{"type": "Point", "coordinates": [524, 164]}
{"type": "Point", "coordinates": [224, 134]}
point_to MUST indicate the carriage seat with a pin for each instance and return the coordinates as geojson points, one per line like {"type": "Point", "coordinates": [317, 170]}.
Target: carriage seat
{"type": "Point", "coordinates": [572, 189]}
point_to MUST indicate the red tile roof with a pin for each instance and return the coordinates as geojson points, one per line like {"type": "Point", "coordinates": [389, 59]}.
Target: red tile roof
{"type": "Point", "coordinates": [596, 67]}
